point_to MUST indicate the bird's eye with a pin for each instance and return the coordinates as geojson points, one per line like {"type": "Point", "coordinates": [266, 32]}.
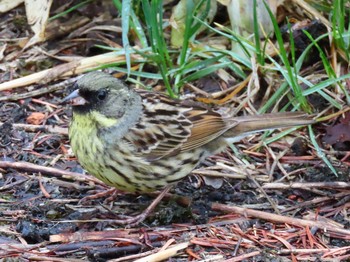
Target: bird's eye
{"type": "Point", "coordinates": [102, 94]}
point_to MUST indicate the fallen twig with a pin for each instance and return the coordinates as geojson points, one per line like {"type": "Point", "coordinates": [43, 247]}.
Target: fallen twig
{"type": "Point", "coordinates": [316, 201]}
{"type": "Point", "coordinates": [43, 128]}
{"type": "Point", "coordinates": [331, 229]}
{"type": "Point", "coordinates": [40, 91]}
{"type": "Point", "coordinates": [243, 257]}
{"type": "Point", "coordinates": [164, 254]}
{"type": "Point", "coordinates": [50, 171]}
{"type": "Point", "coordinates": [64, 70]}
{"type": "Point", "coordinates": [306, 185]}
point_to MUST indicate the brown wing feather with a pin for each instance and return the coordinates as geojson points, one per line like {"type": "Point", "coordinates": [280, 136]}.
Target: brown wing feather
{"type": "Point", "coordinates": [207, 125]}
{"type": "Point", "coordinates": [168, 127]}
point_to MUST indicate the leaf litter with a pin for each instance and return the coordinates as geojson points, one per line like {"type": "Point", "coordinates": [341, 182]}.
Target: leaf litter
{"type": "Point", "coordinates": [277, 202]}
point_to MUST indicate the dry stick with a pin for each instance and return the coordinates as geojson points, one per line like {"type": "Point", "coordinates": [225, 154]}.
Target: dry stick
{"type": "Point", "coordinates": [305, 250]}
{"type": "Point", "coordinates": [7, 186]}
{"type": "Point", "coordinates": [214, 173]}
{"type": "Point", "coordinates": [131, 233]}
{"type": "Point", "coordinates": [334, 185]}
{"type": "Point", "coordinates": [64, 70]}
{"type": "Point", "coordinates": [243, 257]}
{"type": "Point", "coordinates": [165, 254]}
{"type": "Point", "coordinates": [32, 257]}
{"type": "Point", "coordinates": [43, 128]}
{"type": "Point", "coordinates": [133, 257]}
{"type": "Point", "coordinates": [280, 219]}
{"type": "Point", "coordinates": [50, 171]}
{"type": "Point", "coordinates": [40, 91]}
{"type": "Point", "coordinates": [316, 201]}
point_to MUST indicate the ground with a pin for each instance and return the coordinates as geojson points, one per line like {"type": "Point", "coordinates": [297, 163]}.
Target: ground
{"type": "Point", "coordinates": [252, 202]}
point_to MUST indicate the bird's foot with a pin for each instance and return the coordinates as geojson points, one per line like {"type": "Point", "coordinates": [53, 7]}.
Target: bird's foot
{"type": "Point", "coordinates": [134, 221]}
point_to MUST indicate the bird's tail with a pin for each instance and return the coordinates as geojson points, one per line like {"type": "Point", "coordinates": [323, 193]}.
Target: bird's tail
{"type": "Point", "coordinates": [246, 125]}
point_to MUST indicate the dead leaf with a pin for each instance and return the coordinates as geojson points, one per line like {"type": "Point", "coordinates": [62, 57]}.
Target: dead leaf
{"type": "Point", "coordinates": [339, 133]}
{"type": "Point", "coordinates": [37, 12]}
{"type": "Point", "coordinates": [35, 118]}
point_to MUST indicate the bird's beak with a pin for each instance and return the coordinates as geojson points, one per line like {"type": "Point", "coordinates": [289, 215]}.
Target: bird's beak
{"type": "Point", "coordinates": [75, 98]}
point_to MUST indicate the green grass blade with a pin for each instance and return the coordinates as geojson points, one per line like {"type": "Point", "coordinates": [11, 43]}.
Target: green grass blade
{"type": "Point", "coordinates": [70, 10]}
{"type": "Point", "coordinates": [197, 65]}
{"type": "Point", "coordinates": [203, 72]}
{"type": "Point", "coordinates": [329, 69]}
{"type": "Point", "coordinates": [258, 53]}
{"type": "Point", "coordinates": [324, 84]}
{"type": "Point", "coordinates": [153, 13]}
{"type": "Point", "coordinates": [320, 153]}
{"type": "Point", "coordinates": [126, 9]}
{"type": "Point", "coordinates": [134, 24]}
{"type": "Point", "coordinates": [137, 73]}
{"type": "Point", "coordinates": [245, 44]}
{"type": "Point", "coordinates": [291, 76]}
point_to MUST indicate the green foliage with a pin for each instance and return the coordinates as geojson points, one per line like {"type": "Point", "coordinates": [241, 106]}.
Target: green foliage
{"type": "Point", "coordinates": [340, 30]}
{"type": "Point", "coordinates": [153, 13]}
{"type": "Point", "coordinates": [290, 74]}
{"type": "Point", "coordinates": [176, 66]}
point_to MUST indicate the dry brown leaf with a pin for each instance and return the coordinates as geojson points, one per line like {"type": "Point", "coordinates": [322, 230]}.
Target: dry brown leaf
{"type": "Point", "coordinates": [35, 118]}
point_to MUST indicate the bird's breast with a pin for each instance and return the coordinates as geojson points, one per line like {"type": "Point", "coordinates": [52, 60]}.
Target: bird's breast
{"type": "Point", "coordinates": [86, 144]}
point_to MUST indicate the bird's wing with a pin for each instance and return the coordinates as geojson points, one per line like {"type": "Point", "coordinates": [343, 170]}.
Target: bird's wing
{"type": "Point", "coordinates": [207, 125]}
{"type": "Point", "coordinates": [169, 126]}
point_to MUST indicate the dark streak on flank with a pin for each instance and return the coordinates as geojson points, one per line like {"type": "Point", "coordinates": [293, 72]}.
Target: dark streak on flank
{"type": "Point", "coordinates": [189, 161]}
{"type": "Point", "coordinates": [164, 164]}
{"type": "Point", "coordinates": [126, 178]}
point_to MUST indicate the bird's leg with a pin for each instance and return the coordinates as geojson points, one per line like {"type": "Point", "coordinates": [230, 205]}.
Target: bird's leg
{"type": "Point", "coordinates": [111, 193]}
{"type": "Point", "coordinates": [133, 221]}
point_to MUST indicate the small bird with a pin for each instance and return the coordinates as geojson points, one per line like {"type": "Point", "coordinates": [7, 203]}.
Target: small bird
{"type": "Point", "coordinates": [141, 141]}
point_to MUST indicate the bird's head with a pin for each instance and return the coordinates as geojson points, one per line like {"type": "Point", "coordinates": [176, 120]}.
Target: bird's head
{"type": "Point", "coordinates": [102, 95]}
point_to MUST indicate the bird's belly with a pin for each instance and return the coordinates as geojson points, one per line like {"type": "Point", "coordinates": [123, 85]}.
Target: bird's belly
{"type": "Point", "coordinates": [137, 174]}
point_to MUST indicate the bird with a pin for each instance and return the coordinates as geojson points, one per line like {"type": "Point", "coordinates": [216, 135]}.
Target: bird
{"type": "Point", "coordinates": [141, 141]}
